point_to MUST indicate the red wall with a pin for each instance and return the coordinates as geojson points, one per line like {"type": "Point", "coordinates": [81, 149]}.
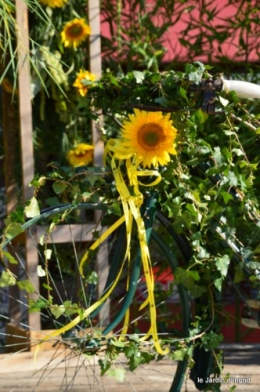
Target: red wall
{"type": "Point", "coordinates": [226, 15]}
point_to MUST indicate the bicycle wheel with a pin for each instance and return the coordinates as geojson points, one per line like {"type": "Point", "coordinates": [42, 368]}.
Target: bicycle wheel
{"type": "Point", "coordinates": [71, 361]}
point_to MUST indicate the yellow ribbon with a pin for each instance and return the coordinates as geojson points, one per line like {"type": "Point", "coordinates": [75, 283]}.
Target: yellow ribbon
{"type": "Point", "coordinates": [131, 204]}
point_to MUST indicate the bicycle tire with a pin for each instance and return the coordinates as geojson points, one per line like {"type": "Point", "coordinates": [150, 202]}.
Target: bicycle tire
{"type": "Point", "coordinates": [69, 383]}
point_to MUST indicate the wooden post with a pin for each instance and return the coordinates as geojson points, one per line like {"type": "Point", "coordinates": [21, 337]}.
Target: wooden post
{"type": "Point", "coordinates": [95, 65]}
{"type": "Point", "coordinates": [26, 135]}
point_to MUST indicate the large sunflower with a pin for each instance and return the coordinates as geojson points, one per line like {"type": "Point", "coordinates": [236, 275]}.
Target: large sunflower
{"type": "Point", "coordinates": [81, 155]}
{"type": "Point", "coordinates": [151, 136]}
{"type": "Point", "coordinates": [81, 76]}
{"type": "Point", "coordinates": [54, 3]}
{"type": "Point", "coordinates": [75, 32]}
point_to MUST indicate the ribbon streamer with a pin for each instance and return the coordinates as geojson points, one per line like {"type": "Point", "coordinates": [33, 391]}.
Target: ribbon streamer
{"type": "Point", "coordinates": [131, 203]}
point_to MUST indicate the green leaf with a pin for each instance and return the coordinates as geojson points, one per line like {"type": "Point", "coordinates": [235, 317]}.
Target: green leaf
{"type": "Point", "coordinates": [135, 361]}
{"type": "Point", "coordinates": [40, 271]}
{"type": "Point", "coordinates": [118, 374]}
{"type": "Point", "coordinates": [211, 340]}
{"type": "Point", "coordinates": [226, 196]}
{"type": "Point", "coordinates": [59, 187]}
{"type": "Point", "coordinates": [196, 290]}
{"type": "Point", "coordinates": [13, 229]}
{"type": "Point", "coordinates": [118, 343]}
{"type": "Point", "coordinates": [36, 306]}
{"type": "Point", "coordinates": [46, 286]}
{"type": "Point", "coordinates": [70, 308]}
{"type": "Point", "coordinates": [237, 151]}
{"type": "Point", "coordinates": [139, 76]}
{"type": "Point", "coordinates": [218, 283]}
{"type": "Point", "coordinates": [184, 277]}
{"type": "Point", "coordinates": [179, 355]}
{"type": "Point", "coordinates": [183, 94]}
{"type": "Point", "coordinates": [57, 310]}
{"type": "Point", "coordinates": [9, 257]}
{"type": "Point", "coordinates": [239, 275]}
{"type": "Point", "coordinates": [217, 156]}
{"type": "Point", "coordinates": [92, 278]}
{"type": "Point", "coordinates": [7, 279]}
{"type": "Point", "coordinates": [222, 264]}
{"type": "Point", "coordinates": [194, 274]}
{"type": "Point", "coordinates": [47, 253]}
{"type": "Point", "coordinates": [104, 365]}
{"type": "Point", "coordinates": [32, 209]}
{"type": "Point", "coordinates": [26, 285]}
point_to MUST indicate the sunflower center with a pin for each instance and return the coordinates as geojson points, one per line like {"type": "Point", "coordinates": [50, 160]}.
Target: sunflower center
{"type": "Point", "coordinates": [81, 154]}
{"type": "Point", "coordinates": [150, 136]}
{"type": "Point", "coordinates": [75, 30]}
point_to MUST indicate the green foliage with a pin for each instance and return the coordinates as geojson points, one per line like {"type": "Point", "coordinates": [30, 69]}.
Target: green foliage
{"type": "Point", "coordinates": [7, 279]}
{"type": "Point", "coordinates": [32, 209]}
{"type": "Point", "coordinates": [26, 285]}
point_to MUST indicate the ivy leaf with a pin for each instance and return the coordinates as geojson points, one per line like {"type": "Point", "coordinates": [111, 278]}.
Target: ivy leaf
{"type": "Point", "coordinates": [226, 196]}
{"type": "Point", "coordinates": [118, 343]}
{"type": "Point", "coordinates": [36, 306]}
{"type": "Point", "coordinates": [218, 283]}
{"type": "Point", "coordinates": [179, 355]}
{"type": "Point", "coordinates": [9, 257]}
{"type": "Point", "coordinates": [48, 253]}
{"type": "Point", "coordinates": [237, 151]}
{"type": "Point", "coordinates": [105, 365]}
{"type": "Point", "coordinates": [217, 156]}
{"type": "Point", "coordinates": [59, 187]}
{"type": "Point", "coordinates": [196, 290]}
{"type": "Point", "coordinates": [183, 94]}
{"type": "Point", "coordinates": [184, 277]}
{"type": "Point", "coordinates": [222, 264]}
{"type": "Point", "coordinates": [13, 230]}
{"type": "Point", "coordinates": [117, 373]}
{"type": "Point", "coordinates": [70, 308]}
{"type": "Point", "coordinates": [40, 271]}
{"type": "Point", "coordinates": [139, 76]}
{"type": "Point", "coordinates": [135, 361]}
{"type": "Point", "coordinates": [26, 285]}
{"type": "Point", "coordinates": [92, 278]}
{"type": "Point", "coordinates": [232, 178]}
{"type": "Point", "coordinates": [7, 279]}
{"type": "Point", "coordinates": [57, 310]}
{"type": "Point", "coordinates": [32, 209]}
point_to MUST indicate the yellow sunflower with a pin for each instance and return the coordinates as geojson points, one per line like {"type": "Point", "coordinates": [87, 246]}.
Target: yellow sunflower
{"type": "Point", "coordinates": [81, 155]}
{"type": "Point", "coordinates": [75, 32]}
{"type": "Point", "coordinates": [81, 76]}
{"type": "Point", "coordinates": [54, 3]}
{"type": "Point", "coordinates": [151, 136]}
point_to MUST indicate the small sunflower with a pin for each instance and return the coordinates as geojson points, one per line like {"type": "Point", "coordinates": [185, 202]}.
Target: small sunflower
{"type": "Point", "coordinates": [151, 136]}
{"type": "Point", "coordinates": [75, 32]}
{"type": "Point", "coordinates": [54, 3]}
{"type": "Point", "coordinates": [81, 155]}
{"type": "Point", "coordinates": [81, 76]}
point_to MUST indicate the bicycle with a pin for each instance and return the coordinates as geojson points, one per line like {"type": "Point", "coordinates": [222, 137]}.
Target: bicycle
{"type": "Point", "coordinates": [92, 337]}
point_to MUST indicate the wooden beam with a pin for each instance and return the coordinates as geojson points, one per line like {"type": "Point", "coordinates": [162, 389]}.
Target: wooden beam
{"type": "Point", "coordinates": [95, 65]}
{"type": "Point", "coordinates": [26, 136]}
{"type": "Point", "coordinates": [67, 233]}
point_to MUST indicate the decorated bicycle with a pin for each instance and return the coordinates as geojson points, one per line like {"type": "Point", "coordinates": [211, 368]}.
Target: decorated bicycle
{"type": "Point", "coordinates": [175, 211]}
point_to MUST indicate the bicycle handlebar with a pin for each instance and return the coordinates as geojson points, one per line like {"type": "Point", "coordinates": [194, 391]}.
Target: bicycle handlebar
{"type": "Point", "coordinates": [243, 89]}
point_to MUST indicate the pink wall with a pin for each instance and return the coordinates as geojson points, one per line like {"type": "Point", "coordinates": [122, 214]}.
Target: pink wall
{"type": "Point", "coordinates": [226, 15]}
